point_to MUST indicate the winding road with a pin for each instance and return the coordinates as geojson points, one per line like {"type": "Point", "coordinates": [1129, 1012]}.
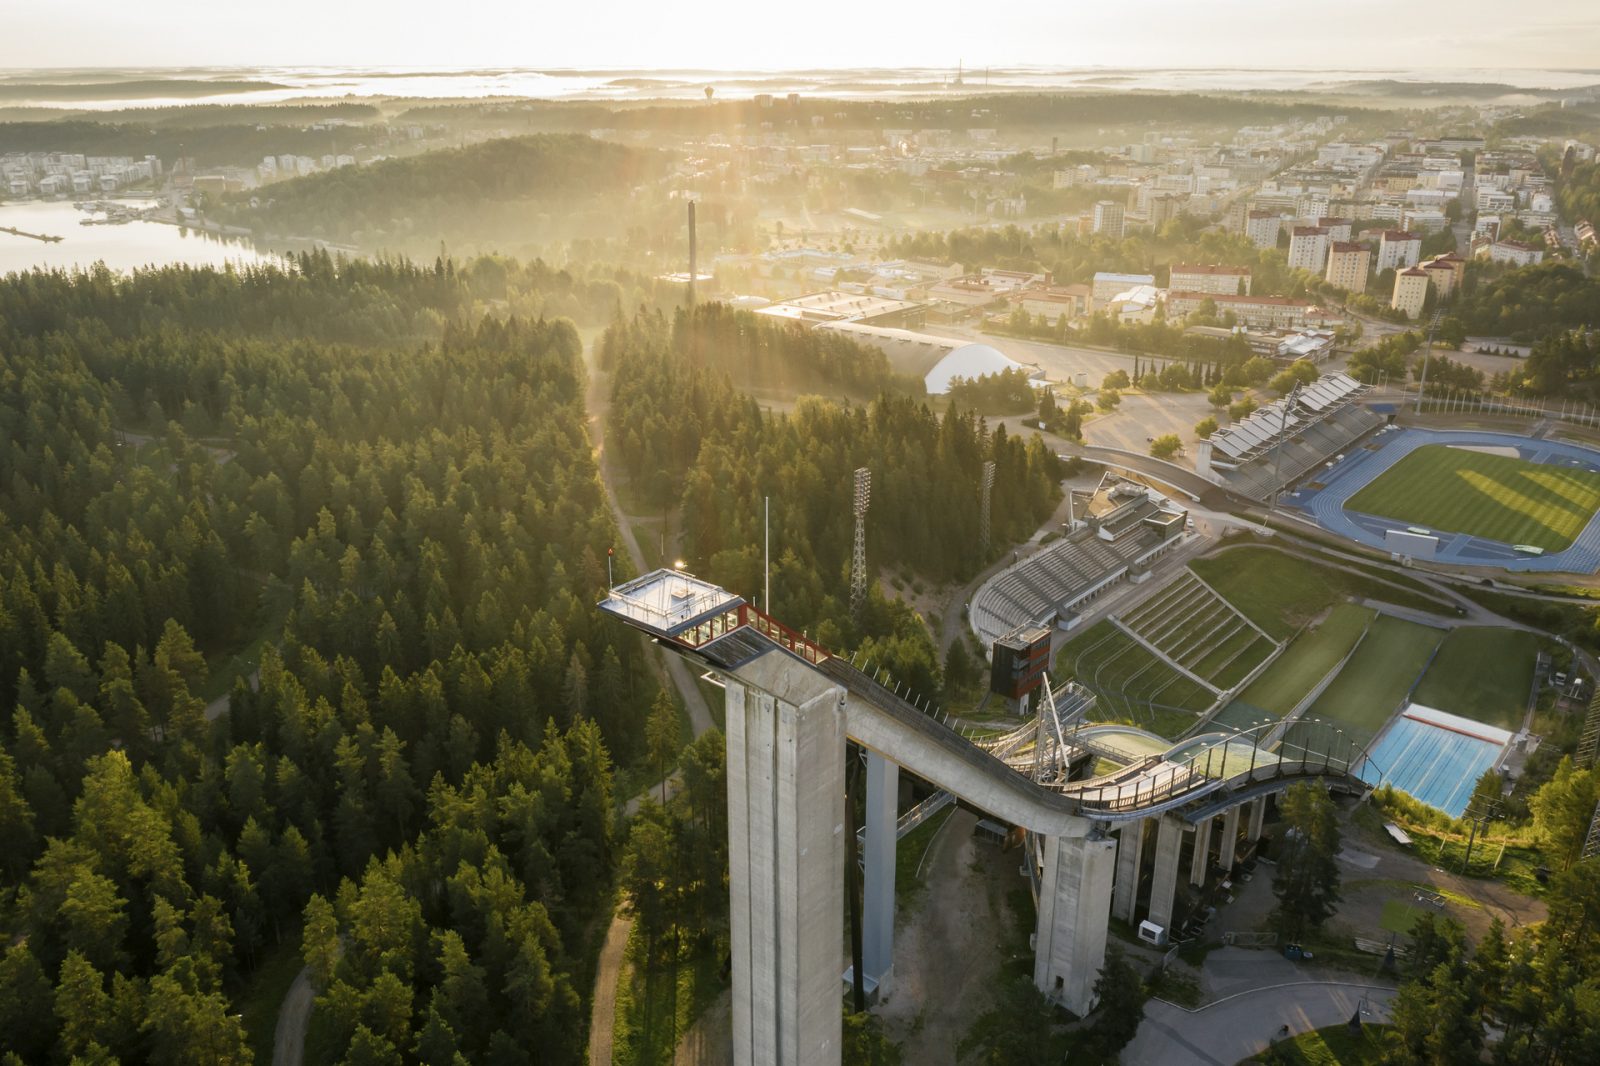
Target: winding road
{"type": "Point", "coordinates": [668, 668]}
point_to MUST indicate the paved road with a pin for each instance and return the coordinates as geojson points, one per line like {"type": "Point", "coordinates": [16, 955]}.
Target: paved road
{"type": "Point", "coordinates": [289, 1039]}
{"type": "Point", "coordinates": [1233, 1029]}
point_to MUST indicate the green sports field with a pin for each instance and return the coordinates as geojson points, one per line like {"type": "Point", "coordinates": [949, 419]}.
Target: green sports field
{"type": "Point", "coordinates": [1495, 497]}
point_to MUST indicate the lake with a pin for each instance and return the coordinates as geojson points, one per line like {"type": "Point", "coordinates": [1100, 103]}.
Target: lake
{"type": "Point", "coordinates": [124, 247]}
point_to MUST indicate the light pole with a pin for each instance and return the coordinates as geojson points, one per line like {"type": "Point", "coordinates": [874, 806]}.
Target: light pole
{"type": "Point", "coordinates": [1422, 386]}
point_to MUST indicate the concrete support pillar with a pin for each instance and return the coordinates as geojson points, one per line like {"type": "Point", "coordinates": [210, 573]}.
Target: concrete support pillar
{"type": "Point", "coordinates": [882, 823]}
{"type": "Point", "coordinates": [1202, 852]}
{"type": "Point", "coordinates": [1230, 838]}
{"type": "Point", "coordinates": [786, 852]}
{"type": "Point", "coordinates": [1258, 815]}
{"type": "Point", "coordinates": [1164, 883]}
{"type": "Point", "coordinates": [1070, 942]}
{"type": "Point", "coordinates": [1130, 856]}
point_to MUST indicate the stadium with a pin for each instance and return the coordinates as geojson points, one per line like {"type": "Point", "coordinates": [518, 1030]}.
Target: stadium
{"type": "Point", "coordinates": [1463, 497]}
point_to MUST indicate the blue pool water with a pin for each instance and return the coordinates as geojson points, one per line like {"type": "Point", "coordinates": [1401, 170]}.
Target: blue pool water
{"type": "Point", "coordinates": [1437, 766]}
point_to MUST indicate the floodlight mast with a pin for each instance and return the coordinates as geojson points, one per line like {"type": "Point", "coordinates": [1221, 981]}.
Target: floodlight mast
{"type": "Point", "coordinates": [1277, 462]}
{"type": "Point", "coordinates": [984, 511]}
{"type": "Point", "coordinates": [858, 562]}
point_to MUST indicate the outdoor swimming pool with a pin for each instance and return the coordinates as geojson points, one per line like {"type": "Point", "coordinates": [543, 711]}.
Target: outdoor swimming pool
{"type": "Point", "coordinates": [1435, 757]}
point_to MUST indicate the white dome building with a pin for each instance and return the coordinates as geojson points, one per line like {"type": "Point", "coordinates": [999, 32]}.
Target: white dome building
{"type": "Point", "coordinates": [967, 361]}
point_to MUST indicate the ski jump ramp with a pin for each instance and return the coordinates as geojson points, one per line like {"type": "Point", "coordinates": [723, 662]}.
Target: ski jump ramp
{"type": "Point", "coordinates": [791, 709]}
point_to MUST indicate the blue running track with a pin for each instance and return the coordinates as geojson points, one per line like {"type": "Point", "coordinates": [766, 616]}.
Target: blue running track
{"type": "Point", "coordinates": [1365, 463]}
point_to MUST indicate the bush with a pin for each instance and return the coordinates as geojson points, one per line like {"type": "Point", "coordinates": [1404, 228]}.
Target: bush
{"type": "Point", "coordinates": [1205, 427]}
{"type": "Point", "coordinates": [1108, 400]}
{"type": "Point", "coordinates": [1166, 446]}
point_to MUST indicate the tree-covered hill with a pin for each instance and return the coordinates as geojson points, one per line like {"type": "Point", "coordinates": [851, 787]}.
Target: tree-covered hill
{"type": "Point", "coordinates": [544, 185]}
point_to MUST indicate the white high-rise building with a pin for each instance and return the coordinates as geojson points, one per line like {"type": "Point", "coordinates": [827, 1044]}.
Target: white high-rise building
{"type": "Point", "coordinates": [1108, 219]}
{"type": "Point", "coordinates": [1262, 228]}
{"type": "Point", "coordinates": [1398, 250]}
{"type": "Point", "coordinates": [1308, 248]}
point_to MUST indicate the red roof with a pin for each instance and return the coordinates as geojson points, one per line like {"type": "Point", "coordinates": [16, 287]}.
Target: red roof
{"type": "Point", "coordinates": [1215, 268]}
{"type": "Point", "coordinates": [1225, 298]}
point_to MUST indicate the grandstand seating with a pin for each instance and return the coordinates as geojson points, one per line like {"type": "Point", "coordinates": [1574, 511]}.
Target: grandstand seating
{"type": "Point", "coordinates": [1311, 446]}
{"type": "Point", "coordinates": [1043, 586]}
{"type": "Point", "coordinates": [1196, 628]}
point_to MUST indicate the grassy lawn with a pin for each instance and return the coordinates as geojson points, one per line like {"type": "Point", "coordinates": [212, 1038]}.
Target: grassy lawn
{"type": "Point", "coordinates": [1492, 496]}
{"type": "Point", "coordinates": [1280, 593]}
{"type": "Point", "coordinates": [1399, 915]}
{"type": "Point", "coordinates": [1302, 665]}
{"type": "Point", "coordinates": [1377, 677]}
{"type": "Point", "coordinates": [1333, 1046]}
{"type": "Point", "coordinates": [1484, 674]}
{"type": "Point", "coordinates": [656, 1007]}
{"type": "Point", "coordinates": [261, 998]}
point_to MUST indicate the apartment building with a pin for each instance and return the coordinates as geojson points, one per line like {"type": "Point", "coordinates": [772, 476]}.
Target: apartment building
{"type": "Point", "coordinates": [1308, 248]}
{"type": "Point", "coordinates": [1398, 250]}
{"type": "Point", "coordinates": [1410, 290]}
{"type": "Point", "coordinates": [1348, 263]}
{"type": "Point", "coordinates": [1215, 278]}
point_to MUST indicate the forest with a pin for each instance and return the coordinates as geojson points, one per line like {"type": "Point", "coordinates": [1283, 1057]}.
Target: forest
{"type": "Point", "coordinates": [1070, 258]}
{"type": "Point", "coordinates": [695, 441]}
{"type": "Point", "coordinates": [219, 135]}
{"type": "Point", "coordinates": [1066, 112]}
{"type": "Point", "coordinates": [1530, 302]}
{"type": "Point", "coordinates": [416, 789]}
{"type": "Point", "coordinates": [500, 190]}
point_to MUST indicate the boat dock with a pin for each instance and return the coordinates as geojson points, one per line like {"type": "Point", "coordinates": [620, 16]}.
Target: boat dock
{"type": "Point", "coordinates": [23, 233]}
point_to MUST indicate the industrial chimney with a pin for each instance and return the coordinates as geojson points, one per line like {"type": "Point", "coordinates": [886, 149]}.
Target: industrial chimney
{"type": "Point", "coordinates": [691, 254]}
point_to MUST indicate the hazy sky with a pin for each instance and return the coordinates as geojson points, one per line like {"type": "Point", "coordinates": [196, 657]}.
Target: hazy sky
{"type": "Point", "coordinates": [741, 34]}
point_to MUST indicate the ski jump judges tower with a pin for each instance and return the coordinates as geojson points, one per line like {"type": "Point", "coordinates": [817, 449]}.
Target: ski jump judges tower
{"type": "Point", "coordinates": [791, 707]}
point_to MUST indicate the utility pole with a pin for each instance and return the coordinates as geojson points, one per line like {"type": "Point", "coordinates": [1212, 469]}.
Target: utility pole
{"type": "Point", "coordinates": [984, 512]}
{"type": "Point", "coordinates": [1480, 821]}
{"type": "Point", "coordinates": [858, 562]}
{"type": "Point", "coordinates": [1277, 462]}
{"type": "Point", "coordinates": [1422, 386]}
{"type": "Point", "coordinates": [692, 265]}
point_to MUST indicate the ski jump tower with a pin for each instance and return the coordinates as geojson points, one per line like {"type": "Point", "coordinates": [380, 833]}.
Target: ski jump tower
{"type": "Point", "coordinates": [791, 708]}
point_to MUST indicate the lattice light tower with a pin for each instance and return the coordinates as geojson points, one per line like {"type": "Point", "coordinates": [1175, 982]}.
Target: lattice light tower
{"type": "Point", "coordinates": [1591, 845]}
{"type": "Point", "coordinates": [858, 562]}
{"type": "Point", "coordinates": [1589, 741]}
{"type": "Point", "coordinates": [983, 513]}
